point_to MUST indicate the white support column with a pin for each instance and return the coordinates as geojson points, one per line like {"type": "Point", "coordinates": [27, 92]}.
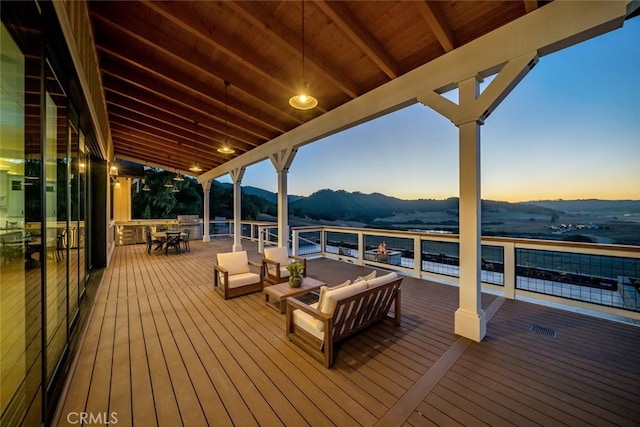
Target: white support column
{"type": "Point", "coordinates": [206, 186]}
{"type": "Point", "coordinates": [471, 111]}
{"type": "Point", "coordinates": [282, 162]}
{"type": "Point", "coordinates": [283, 209]}
{"type": "Point", "coordinates": [236, 178]}
{"type": "Point", "coordinates": [470, 319]}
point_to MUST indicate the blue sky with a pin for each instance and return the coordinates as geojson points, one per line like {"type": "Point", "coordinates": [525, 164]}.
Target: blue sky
{"type": "Point", "coordinates": [569, 130]}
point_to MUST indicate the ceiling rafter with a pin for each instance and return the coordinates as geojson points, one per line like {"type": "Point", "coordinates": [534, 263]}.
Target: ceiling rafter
{"type": "Point", "coordinates": [177, 78]}
{"type": "Point", "coordinates": [530, 5]}
{"type": "Point", "coordinates": [436, 20]}
{"type": "Point", "coordinates": [173, 11]}
{"type": "Point", "coordinates": [139, 139]}
{"type": "Point", "coordinates": [163, 64]}
{"type": "Point", "coordinates": [179, 132]}
{"type": "Point", "coordinates": [340, 14]}
{"type": "Point", "coordinates": [175, 102]}
{"type": "Point", "coordinates": [137, 108]}
{"type": "Point", "coordinates": [140, 148]}
{"type": "Point", "coordinates": [119, 115]}
{"type": "Point", "coordinates": [196, 90]}
{"type": "Point", "coordinates": [268, 24]}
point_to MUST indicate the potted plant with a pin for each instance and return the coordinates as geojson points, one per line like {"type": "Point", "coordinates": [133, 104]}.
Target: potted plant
{"type": "Point", "coordinates": [295, 274]}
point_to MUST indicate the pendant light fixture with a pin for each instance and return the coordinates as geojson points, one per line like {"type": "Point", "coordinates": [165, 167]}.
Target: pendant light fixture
{"type": "Point", "coordinates": [302, 100]}
{"type": "Point", "coordinates": [226, 148]}
{"type": "Point", "coordinates": [146, 186]}
{"type": "Point", "coordinates": [178, 177]}
{"type": "Point", "coordinates": [195, 167]}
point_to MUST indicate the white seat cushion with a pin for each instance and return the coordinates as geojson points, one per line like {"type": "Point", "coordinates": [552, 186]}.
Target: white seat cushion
{"type": "Point", "coordinates": [243, 279]}
{"type": "Point", "coordinates": [308, 323]}
{"type": "Point", "coordinates": [234, 262]}
{"type": "Point", "coordinates": [280, 254]}
{"type": "Point", "coordinates": [284, 273]}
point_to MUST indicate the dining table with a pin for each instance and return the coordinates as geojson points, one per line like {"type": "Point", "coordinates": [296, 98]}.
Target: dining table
{"type": "Point", "coordinates": [167, 239]}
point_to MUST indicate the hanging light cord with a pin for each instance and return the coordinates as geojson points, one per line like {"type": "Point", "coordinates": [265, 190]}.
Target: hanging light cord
{"type": "Point", "coordinates": [226, 125]}
{"type": "Point", "coordinates": [303, 74]}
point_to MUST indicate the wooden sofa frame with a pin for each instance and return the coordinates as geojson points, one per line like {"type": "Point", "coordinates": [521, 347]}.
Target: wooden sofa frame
{"type": "Point", "coordinates": [351, 315]}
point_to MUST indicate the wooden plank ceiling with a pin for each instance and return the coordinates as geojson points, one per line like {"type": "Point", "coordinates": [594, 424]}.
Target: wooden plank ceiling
{"type": "Point", "coordinates": [164, 64]}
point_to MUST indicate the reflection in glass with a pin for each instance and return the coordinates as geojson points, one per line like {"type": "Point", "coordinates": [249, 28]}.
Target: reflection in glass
{"type": "Point", "coordinates": [56, 279]}
{"type": "Point", "coordinates": [20, 171]}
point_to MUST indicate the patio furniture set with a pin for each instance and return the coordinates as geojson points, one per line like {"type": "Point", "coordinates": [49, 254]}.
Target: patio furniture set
{"type": "Point", "coordinates": [176, 239]}
{"type": "Point", "coordinates": [339, 312]}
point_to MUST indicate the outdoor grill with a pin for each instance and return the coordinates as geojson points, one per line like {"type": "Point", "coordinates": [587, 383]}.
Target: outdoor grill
{"type": "Point", "coordinates": [190, 222]}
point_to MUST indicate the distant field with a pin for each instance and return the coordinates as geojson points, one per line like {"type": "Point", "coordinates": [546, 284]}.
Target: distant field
{"type": "Point", "coordinates": [604, 228]}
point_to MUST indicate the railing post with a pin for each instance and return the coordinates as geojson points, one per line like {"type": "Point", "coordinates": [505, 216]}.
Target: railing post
{"type": "Point", "coordinates": [417, 256]}
{"type": "Point", "coordinates": [509, 273]}
{"type": "Point", "coordinates": [294, 242]}
{"type": "Point", "coordinates": [323, 242]}
{"type": "Point", "coordinates": [361, 248]}
{"type": "Point", "coordinates": [261, 233]}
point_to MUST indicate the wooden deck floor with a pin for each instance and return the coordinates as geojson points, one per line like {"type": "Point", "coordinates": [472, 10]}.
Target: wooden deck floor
{"type": "Point", "coordinates": [163, 349]}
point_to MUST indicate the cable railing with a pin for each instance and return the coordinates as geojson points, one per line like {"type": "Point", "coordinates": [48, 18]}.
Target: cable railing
{"type": "Point", "coordinates": [604, 278]}
{"type": "Point", "coordinates": [598, 277]}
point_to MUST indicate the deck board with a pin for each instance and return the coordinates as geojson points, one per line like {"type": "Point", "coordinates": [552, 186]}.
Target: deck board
{"type": "Point", "coordinates": [162, 348]}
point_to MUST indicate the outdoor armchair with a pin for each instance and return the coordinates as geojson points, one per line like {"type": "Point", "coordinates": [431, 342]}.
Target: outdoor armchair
{"type": "Point", "coordinates": [233, 276]}
{"type": "Point", "coordinates": [274, 265]}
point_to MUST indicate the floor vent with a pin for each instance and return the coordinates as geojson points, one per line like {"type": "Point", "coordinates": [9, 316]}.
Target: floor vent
{"type": "Point", "coordinates": [543, 331]}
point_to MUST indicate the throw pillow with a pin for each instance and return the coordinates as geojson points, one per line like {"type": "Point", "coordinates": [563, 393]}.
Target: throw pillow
{"type": "Point", "coordinates": [368, 277]}
{"type": "Point", "coordinates": [325, 289]}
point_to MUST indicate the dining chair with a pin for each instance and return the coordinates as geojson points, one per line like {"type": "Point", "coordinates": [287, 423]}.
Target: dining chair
{"type": "Point", "coordinates": [151, 241]}
{"type": "Point", "coordinates": [186, 235]}
{"type": "Point", "coordinates": [173, 241]}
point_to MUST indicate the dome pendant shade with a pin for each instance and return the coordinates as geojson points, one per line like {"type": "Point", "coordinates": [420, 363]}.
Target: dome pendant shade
{"type": "Point", "coordinates": [303, 101]}
{"type": "Point", "coordinates": [195, 167]}
{"type": "Point", "coordinates": [226, 150]}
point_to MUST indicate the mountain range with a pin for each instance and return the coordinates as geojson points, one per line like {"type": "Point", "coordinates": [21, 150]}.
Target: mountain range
{"type": "Point", "coordinates": [342, 205]}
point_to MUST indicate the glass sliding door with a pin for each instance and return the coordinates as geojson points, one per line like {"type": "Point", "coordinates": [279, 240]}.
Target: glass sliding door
{"type": "Point", "coordinates": [83, 163]}
{"type": "Point", "coordinates": [74, 294]}
{"type": "Point", "coordinates": [21, 190]}
{"type": "Point", "coordinates": [56, 125]}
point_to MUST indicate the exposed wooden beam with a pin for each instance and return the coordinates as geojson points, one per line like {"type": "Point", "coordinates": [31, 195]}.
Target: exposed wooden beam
{"type": "Point", "coordinates": [175, 12]}
{"type": "Point", "coordinates": [168, 62]}
{"type": "Point", "coordinates": [340, 14]}
{"type": "Point", "coordinates": [530, 5]}
{"type": "Point", "coordinates": [161, 84]}
{"type": "Point", "coordinates": [145, 111]}
{"type": "Point", "coordinates": [133, 137]}
{"type": "Point", "coordinates": [438, 24]}
{"type": "Point", "coordinates": [169, 101]}
{"type": "Point", "coordinates": [255, 14]}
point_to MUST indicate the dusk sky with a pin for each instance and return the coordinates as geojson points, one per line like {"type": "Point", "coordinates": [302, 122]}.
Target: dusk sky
{"type": "Point", "coordinates": [569, 130]}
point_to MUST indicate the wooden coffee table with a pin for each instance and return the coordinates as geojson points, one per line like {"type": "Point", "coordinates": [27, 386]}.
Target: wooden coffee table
{"type": "Point", "coordinates": [276, 295]}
